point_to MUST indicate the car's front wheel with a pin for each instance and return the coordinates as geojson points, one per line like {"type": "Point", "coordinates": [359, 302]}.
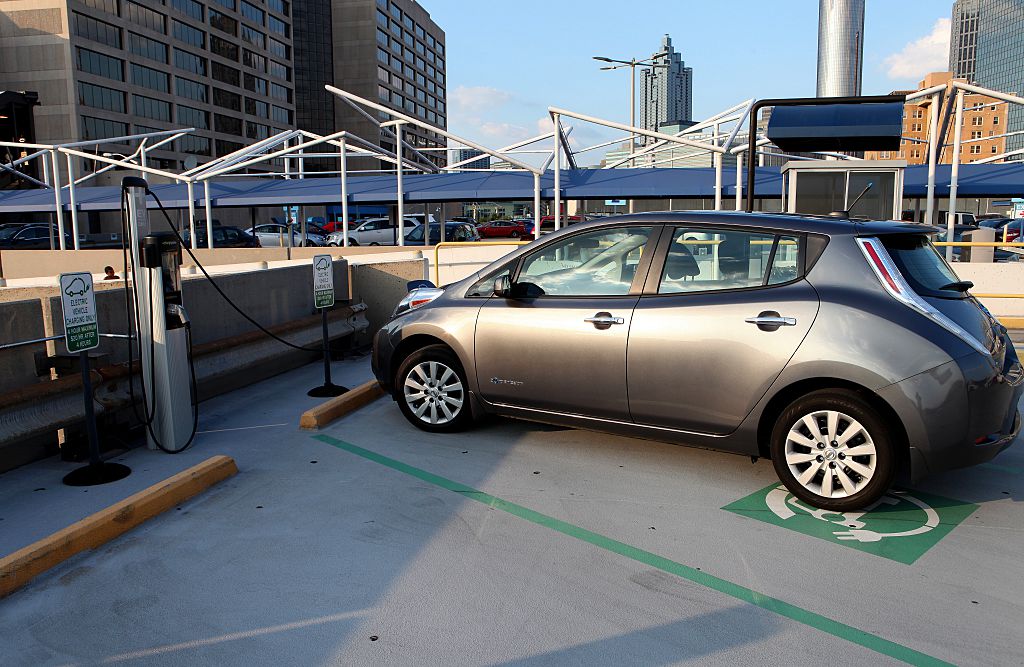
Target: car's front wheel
{"type": "Point", "coordinates": [834, 450]}
{"type": "Point", "coordinates": [432, 390]}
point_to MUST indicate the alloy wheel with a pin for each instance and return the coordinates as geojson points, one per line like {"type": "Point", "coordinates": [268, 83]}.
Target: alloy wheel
{"type": "Point", "coordinates": [830, 454]}
{"type": "Point", "coordinates": [434, 392]}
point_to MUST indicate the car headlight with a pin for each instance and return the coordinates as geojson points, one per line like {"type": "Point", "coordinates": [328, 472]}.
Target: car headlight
{"type": "Point", "coordinates": [416, 299]}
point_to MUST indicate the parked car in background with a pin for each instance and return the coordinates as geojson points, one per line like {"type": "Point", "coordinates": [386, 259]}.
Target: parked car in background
{"type": "Point", "coordinates": [275, 235]}
{"type": "Point", "coordinates": [967, 219]}
{"type": "Point", "coordinates": [999, 254]}
{"type": "Point", "coordinates": [842, 352]}
{"type": "Point", "coordinates": [32, 236]}
{"type": "Point", "coordinates": [223, 237]}
{"type": "Point", "coordinates": [453, 231]}
{"type": "Point", "coordinates": [375, 231]}
{"type": "Point", "coordinates": [547, 223]}
{"type": "Point", "coordinates": [502, 229]}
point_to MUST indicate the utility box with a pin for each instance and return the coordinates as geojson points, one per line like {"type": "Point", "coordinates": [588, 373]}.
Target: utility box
{"type": "Point", "coordinates": [983, 254]}
{"type": "Point", "coordinates": [821, 187]}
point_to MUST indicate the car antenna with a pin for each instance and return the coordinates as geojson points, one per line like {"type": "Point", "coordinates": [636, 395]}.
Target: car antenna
{"type": "Point", "coordinates": [846, 214]}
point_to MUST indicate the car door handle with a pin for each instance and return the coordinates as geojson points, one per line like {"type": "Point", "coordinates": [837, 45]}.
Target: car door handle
{"type": "Point", "coordinates": [604, 320]}
{"type": "Point", "coordinates": [771, 321]}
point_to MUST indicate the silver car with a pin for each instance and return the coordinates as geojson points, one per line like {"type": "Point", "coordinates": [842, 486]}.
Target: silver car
{"type": "Point", "coordinates": [844, 351]}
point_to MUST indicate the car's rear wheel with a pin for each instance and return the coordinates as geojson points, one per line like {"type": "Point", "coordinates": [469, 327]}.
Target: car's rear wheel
{"type": "Point", "coordinates": [834, 450]}
{"type": "Point", "coordinates": [515, 234]}
{"type": "Point", "coordinates": [432, 390]}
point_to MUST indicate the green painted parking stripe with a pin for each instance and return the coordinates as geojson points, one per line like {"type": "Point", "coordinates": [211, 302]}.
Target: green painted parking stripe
{"type": "Point", "coordinates": [792, 612]}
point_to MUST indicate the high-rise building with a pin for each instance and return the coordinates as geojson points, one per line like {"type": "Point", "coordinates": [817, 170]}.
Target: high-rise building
{"type": "Point", "coordinates": [388, 51]}
{"type": "Point", "coordinates": [108, 68]}
{"type": "Point", "coordinates": [840, 47]}
{"type": "Point", "coordinates": [987, 48]}
{"type": "Point", "coordinates": [667, 92]}
{"type": "Point", "coordinates": [460, 154]}
{"type": "Point", "coordinates": [981, 134]}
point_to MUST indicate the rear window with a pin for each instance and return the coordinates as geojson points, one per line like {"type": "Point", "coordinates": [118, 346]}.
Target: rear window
{"type": "Point", "coordinates": [922, 266]}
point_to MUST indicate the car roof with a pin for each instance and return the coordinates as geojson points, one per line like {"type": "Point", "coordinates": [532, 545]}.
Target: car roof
{"type": "Point", "coordinates": [781, 221]}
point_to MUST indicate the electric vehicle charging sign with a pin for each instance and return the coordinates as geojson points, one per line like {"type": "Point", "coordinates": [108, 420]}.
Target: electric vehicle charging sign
{"type": "Point", "coordinates": [323, 281]}
{"type": "Point", "coordinates": [81, 329]}
{"type": "Point", "coordinates": [902, 526]}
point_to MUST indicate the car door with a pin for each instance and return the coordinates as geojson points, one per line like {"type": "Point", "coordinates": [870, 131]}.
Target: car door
{"type": "Point", "coordinates": [723, 311]}
{"type": "Point", "coordinates": [561, 346]}
{"type": "Point", "coordinates": [270, 236]}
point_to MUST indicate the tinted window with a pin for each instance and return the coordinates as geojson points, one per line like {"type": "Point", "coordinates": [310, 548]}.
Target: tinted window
{"type": "Point", "coordinates": [598, 263]}
{"type": "Point", "coordinates": [701, 260]}
{"type": "Point", "coordinates": [923, 267]}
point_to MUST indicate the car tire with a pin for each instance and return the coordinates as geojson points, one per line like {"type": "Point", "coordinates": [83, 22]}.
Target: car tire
{"type": "Point", "coordinates": [374, 243]}
{"type": "Point", "coordinates": [429, 383]}
{"type": "Point", "coordinates": [835, 468]}
{"type": "Point", "coordinates": [515, 235]}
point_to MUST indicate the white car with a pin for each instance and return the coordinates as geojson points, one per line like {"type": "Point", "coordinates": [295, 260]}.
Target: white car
{"type": "Point", "coordinates": [375, 231]}
{"type": "Point", "coordinates": [273, 235]}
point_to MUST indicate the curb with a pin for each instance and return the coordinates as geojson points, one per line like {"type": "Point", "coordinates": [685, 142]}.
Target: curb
{"type": "Point", "coordinates": [95, 530]}
{"type": "Point", "coordinates": [338, 407]}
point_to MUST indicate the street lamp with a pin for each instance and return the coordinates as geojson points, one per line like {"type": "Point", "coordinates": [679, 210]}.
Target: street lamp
{"type": "Point", "coordinates": [632, 65]}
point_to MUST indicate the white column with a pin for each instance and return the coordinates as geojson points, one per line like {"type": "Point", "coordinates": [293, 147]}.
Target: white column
{"type": "Point", "coordinates": [401, 193]}
{"type": "Point", "coordinates": [933, 146]}
{"type": "Point", "coordinates": [558, 173]}
{"type": "Point", "coordinates": [55, 168]}
{"type": "Point", "coordinates": [344, 192]}
{"type": "Point", "coordinates": [739, 181]}
{"type": "Point", "coordinates": [718, 174]}
{"type": "Point", "coordinates": [954, 174]}
{"type": "Point", "coordinates": [44, 160]}
{"type": "Point", "coordinates": [192, 214]}
{"type": "Point", "coordinates": [632, 119]}
{"type": "Point", "coordinates": [209, 214]}
{"type": "Point", "coordinates": [74, 203]}
{"type": "Point", "coordinates": [536, 206]}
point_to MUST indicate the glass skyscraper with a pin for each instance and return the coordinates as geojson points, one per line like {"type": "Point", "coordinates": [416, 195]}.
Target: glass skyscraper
{"type": "Point", "coordinates": [840, 47]}
{"type": "Point", "coordinates": [667, 92]}
{"type": "Point", "coordinates": [987, 49]}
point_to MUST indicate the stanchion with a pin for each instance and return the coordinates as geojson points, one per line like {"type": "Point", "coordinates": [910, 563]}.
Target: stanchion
{"type": "Point", "coordinates": [328, 389]}
{"type": "Point", "coordinates": [98, 471]}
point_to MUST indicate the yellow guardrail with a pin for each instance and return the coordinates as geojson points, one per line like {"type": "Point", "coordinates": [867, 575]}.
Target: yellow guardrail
{"type": "Point", "coordinates": [978, 244]}
{"type": "Point", "coordinates": [464, 244]}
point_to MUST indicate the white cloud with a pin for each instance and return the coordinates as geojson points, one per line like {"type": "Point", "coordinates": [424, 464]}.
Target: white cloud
{"type": "Point", "coordinates": [478, 99]}
{"type": "Point", "coordinates": [922, 56]}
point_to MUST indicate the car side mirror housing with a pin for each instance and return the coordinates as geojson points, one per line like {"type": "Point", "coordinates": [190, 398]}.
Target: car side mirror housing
{"type": "Point", "coordinates": [503, 287]}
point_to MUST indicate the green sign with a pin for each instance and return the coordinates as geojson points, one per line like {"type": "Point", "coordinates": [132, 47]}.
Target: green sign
{"type": "Point", "coordinates": [902, 526]}
{"type": "Point", "coordinates": [323, 281]}
{"type": "Point", "coordinates": [81, 330]}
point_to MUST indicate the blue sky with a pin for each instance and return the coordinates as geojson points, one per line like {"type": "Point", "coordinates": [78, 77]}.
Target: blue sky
{"type": "Point", "coordinates": [509, 61]}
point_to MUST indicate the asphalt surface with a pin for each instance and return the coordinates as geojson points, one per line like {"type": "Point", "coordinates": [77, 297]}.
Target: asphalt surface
{"type": "Point", "coordinates": [515, 543]}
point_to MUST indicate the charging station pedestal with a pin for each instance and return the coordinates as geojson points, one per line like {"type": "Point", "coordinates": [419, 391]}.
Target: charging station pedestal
{"type": "Point", "coordinates": [162, 326]}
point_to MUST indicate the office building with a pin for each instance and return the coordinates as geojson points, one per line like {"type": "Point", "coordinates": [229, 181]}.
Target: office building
{"type": "Point", "coordinates": [987, 49]}
{"type": "Point", "coordinates": [840, 47]}
{"type": "Point", "coordinates": [666, 92]}
{"type": "Point", "coordinates": [17, 125]}
{"type": "Point", "coordinates": [387, 51]}
{"type": "Point", "coordinates": [981, 134]}
{"type": "Point", "coordinates": [108, 68]}
{"type": "Point", "coordinates": [459, 154]}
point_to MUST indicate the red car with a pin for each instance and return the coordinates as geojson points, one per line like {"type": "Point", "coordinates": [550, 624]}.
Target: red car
{"type": "Point", "coordinates": [502, 228]}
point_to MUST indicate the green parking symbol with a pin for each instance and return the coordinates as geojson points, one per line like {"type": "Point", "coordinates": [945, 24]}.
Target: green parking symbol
{"type": "Point", "coordinates": [902, 526]}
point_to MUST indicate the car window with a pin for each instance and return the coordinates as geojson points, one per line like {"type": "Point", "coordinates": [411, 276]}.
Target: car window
{"type": "Point", "coordinates": [231, 234]}
{"type": "Point", "coordinates": [485, 286]}
{"type": "Point", "coordinates": [597, 263]}
{"type": "Point", "coordinates": [701, 260]}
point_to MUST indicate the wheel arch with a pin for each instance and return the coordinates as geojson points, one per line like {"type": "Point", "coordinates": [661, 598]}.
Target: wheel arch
{"type": "Point", "coordinates": [784, 397]}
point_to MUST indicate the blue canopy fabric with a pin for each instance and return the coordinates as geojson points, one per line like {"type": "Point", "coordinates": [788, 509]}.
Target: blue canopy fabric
{"type": "Point", "coordinates": [976, 180]}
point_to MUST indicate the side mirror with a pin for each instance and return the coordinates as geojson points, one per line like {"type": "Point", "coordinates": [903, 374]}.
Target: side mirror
{"type": "Point", "coordinates": [503, 287]}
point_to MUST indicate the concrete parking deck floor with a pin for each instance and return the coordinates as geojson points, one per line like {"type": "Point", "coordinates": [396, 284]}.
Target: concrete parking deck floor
{"type": "Point", "coordinates": [374, 543]}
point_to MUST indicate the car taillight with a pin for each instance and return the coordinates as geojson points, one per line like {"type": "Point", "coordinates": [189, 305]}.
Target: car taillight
{"type": "Point", "coordinates": [896, 285]}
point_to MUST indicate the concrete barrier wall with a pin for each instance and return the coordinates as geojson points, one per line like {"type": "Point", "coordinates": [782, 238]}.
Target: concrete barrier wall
{"type": "Point", "coordinates": [1000, 278]}
{"type": "Point", "coordinates": [381, 285]}
{"type": "Point", "coordinates": [20, 321]}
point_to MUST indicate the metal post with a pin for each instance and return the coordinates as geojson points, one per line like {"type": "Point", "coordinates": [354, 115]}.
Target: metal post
{"type": "Point", "coordinates": [344, 191]}
{"type": "Point", "coordinates": [933, 146]}
{"type": "Point", "coordinates": [954, 175]}
{"type": "Point", "coordinates": [327, 350]}
{"type": "Point", "coordinates": [74, 203]}
{"type": "Point", "coordinates": [287, 160]}
{"type": "Point", "coordinates": [718, 174]}
{"type": "Point", "coordinates": [558, 171]}
{"type": "Point", "coordinates": [739, 181]}
{"type": "Point", "coordinates": [536, 206]}
{"type": "Point", "coordinates": [192, 213]}
{"type": "Point", "coordinates": [46, 179]}
{"type": "Point", "coordinates": [209, 214]}
{"type": "Point", "coordinates": [57, 196]}
{"type": "Point", "coordinates": [632, 118]}
{"type": "Point", "coordinates": [401, 193]}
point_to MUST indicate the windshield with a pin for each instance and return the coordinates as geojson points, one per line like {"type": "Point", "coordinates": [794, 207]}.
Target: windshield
{"type": "Point", "coordinates": [923, 267]}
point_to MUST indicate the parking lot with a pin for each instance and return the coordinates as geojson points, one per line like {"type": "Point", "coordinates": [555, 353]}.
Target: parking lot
{"type": "Point", "coordinates": [515, 543]}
